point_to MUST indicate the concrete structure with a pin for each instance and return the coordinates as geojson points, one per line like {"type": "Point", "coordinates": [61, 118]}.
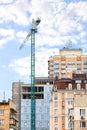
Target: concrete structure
{"type": "Point", "coordinates": [8, 118]}
{"type": "Point", "coordinates": [43, 88]}
{"type": "Point", "coordinates": [63, 98]}
{"type": "Point", "coordinates": [78, 114]}
{"type": "Point", "coordinates": [16, 97]}
{"type": "Point", "coordinates": [68, 61]}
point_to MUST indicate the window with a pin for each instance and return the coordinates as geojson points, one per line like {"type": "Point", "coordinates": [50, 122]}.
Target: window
{"type": "Point", "coordinates": [70, 102]}
{"type": "Point", "coordinates": [56, 62]}
{"type": "Point", "coordinates": [62, 95]}
{"type": "Point", "coordinates": [11, 121]}
{"type": "Point", "coordinates": [62, 125]}
{"type": "Point", "coordinates": [56, 127]}
{"type": "Point", "coordinates": [82, 124]}
{"type": "Point", "coordinates": [62, 110]}
{"type": "Point", "coordinates": [68, 111]}
{"type": "Point", "coordinates": [55, 96]}
{"type": "Point", "coordinates": [55, 112]}
{"type": "Point", "coordinates": [78, 86]}
{"type": "Point", "coordinates": [85, 62]}
{"type": "Point", "coordinates": [55, 104]}
{"type": "Point", "coordinates": [1, 112]}
{"type": "Point", "coordinates": [70, 86]}
{"type": "Point", "coordinates": [62, 103]}
{"type": "Point", "coordinates": [55, 88]}
{"type": "Point", "coordinates": [70, 125]}
{"type": "Point", "coordinates": [82, 112]}
{"type": "Point", "coordinates": [63, 117]}
{"type": "Point", "coordinates": [1, 122]}
{"type": "Point", "coordinates": [56, 119]}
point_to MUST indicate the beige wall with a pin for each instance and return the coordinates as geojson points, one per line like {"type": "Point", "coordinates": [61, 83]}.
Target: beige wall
{"type": "Point", "coordinates": [5, 117]}
{"type": "Point", "coordinates": [76, 126]}
{"type": "Point", "coordinates": [70, 56]}
{"type": "Point", "coordinates": [80, 102]}
{"type": "Point", "coordinates": [78, 53]}
{"type": "Point", "coordinates": [68, 96]}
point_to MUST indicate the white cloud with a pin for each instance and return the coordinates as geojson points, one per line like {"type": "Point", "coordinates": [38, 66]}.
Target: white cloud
{"type": "Point", "coordinates": [15, 12]}
{"type": "Point", "coordinates": [4, 41]}
{"type": "Point", "coordinates": [6, 35]}
{"type": "Point", "coordinates": [6, 1]}
{"type": "Point", "coordinates": [60, 23]}
{"type": "Point", "coordinates": [22, 66]}
{"type": "Point", "coordinates": [78, 9]}
{"type": "Point", "coordinates": [22, 36]}
{"type": "Point", "coordinates": [6, 32]}
{"type": "Point", "coordinates": [59, 20]}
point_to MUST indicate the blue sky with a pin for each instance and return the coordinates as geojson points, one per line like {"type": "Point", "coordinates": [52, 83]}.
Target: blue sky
{"type": "Point", "coordinates": [61, 21]}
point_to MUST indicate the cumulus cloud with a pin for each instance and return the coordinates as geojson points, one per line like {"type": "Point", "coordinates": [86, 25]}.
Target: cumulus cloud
{"type": "Point", "coordinates": [15, 12]}
{"type": "Point", "coordinates": [78, 9]}
{"type": "Point", "coordinates": [61, 22]}
{"type": "Point", "coordinates": [58, 19]}
{"type": "Point", "coordinates": [22, 66]}
{"type": "Point", "coordinates": [6, 35]}
{"type": "Point", "coordinates": [6, 1]}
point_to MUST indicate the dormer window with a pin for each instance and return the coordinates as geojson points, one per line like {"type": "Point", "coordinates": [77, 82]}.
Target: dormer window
{"type": "Point", "coordinates": [78, 86]}
{"type": "Point", "coordinates": [70, 86]}
{"type": "Point", "coordinates": [55, 89]}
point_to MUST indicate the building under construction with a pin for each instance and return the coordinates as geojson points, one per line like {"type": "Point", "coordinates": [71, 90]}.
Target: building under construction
{"type": "Point", "coordinates": [21, 96]}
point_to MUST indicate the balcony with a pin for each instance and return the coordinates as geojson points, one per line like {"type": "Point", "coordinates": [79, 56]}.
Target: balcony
{"type": "Point", "coordinates": [13, 116]}
{"type": "Point", "coordinates": [13, 126]}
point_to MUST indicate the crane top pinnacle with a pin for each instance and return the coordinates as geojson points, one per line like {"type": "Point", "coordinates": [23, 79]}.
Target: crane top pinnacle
{"type": "Point", "coordinates": [35, 23]}
{"type": "Point", "coordinates": [38, 20]}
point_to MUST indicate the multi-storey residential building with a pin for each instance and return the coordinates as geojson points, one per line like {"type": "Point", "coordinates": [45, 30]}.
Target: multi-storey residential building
{"type": "Point", "coordinates": [43, 87]}
{"type": "Point", "coordinates": [63, 97]}
{"type": "Point", "coordinates": [8, 118]}
{"type": "Point", "coordinates": [68, 61]}
{"type": "Point", "coordinates": [78, 114]}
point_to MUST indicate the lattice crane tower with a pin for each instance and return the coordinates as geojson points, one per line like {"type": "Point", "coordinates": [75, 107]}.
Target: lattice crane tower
{"type": "Point", "coordinates": [32, 32]}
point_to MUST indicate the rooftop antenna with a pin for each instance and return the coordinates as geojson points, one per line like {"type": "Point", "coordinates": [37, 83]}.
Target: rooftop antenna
{"type": "Point", "coordinates": [4, 95]}
{"type": "Point", "coordinates": [32, 32]}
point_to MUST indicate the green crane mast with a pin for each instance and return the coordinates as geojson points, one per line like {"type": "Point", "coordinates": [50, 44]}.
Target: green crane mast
{"type": "Point", "coordinates": [32, 32]}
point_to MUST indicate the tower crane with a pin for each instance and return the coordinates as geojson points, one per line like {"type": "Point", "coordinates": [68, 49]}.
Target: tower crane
{"type": "Point", "coordinates": [32, 32]}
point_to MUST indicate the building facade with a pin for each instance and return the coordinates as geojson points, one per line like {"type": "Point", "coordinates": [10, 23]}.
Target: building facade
{"type": "Point", "coordinates": [43, 88]}
{"type": "Point", "coordinates": [68, 61]}
{"type": "Point", "coordinates": [8, 116]}
{"type": "Point", "coordinates": [78, 114]}
{"type": "Point", "coordinates": [63, 99]}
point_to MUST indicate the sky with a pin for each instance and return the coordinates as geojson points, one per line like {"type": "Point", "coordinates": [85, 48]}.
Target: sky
{"type": "Point", "coordinates": [62, 22]}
